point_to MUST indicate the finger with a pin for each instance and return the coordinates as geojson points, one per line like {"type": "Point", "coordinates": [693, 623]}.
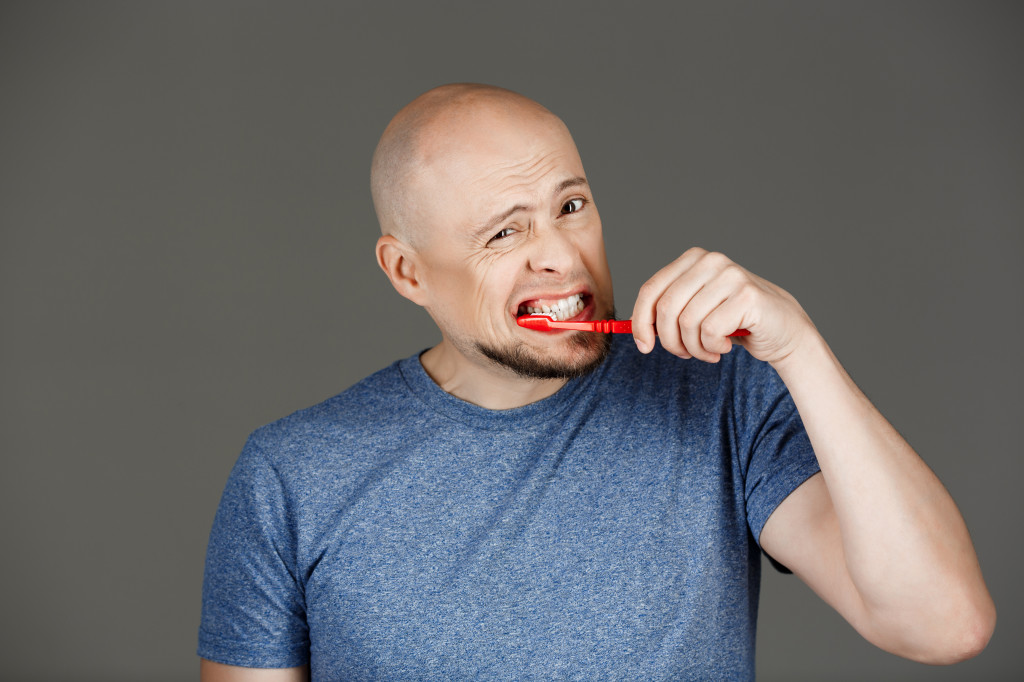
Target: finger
{"type": "Point", "coordinates": [693, 318]}
{"type": "Point", "coordinates": [691, 321]}
{"type": "Point", "coordinates": [644, 310]}
{"type": "Point", "coordinates": [722, 321]}
{"type": "Point", "coordinates": [673, 304]}
{"type": "Point", "coordinates": [677, 299]}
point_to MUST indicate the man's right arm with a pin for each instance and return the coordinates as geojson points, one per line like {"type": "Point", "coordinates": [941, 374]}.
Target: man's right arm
{"type": "Point", "coordinates": [218, 672]}
{"type": "Point", "coordinates": [253, 610]}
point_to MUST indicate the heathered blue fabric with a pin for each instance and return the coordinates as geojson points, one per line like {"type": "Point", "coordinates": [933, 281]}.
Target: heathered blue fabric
{"type": "Point", "coordinates": [606, 532]}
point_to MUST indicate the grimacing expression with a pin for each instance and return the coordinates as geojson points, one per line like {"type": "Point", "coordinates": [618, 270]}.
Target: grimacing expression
{"type": "Point", "coordinates": [511, 225]}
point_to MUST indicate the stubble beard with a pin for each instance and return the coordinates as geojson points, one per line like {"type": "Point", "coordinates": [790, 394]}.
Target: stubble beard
{"type": "Point", "coordinates": [588, 351]}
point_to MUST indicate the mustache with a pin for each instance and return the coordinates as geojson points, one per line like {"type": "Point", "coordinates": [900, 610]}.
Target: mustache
{"type": "Point", "coordinates": [530, 290]}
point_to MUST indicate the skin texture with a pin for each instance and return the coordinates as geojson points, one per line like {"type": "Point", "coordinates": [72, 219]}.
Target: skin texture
{"type": "Point", "coordinates": [875, 534]}
{"type": "Point", "coordinates": [218, 672]}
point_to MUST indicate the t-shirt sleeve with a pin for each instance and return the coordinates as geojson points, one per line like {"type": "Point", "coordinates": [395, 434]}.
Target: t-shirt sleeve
{"type": "Point", "coordinates": [771, 437]}
{"type": "Point", "coordinates": [253, 605]}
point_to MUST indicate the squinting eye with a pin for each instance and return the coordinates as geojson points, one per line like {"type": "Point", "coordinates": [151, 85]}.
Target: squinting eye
{"type": "Point", "coordinates": [573, 205]}
{"type": "Point", "coordinates": [504, 233]}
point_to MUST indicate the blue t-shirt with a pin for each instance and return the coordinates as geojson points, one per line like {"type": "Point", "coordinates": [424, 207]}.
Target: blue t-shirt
{"type": "Point", "coordinates": [606, 532]}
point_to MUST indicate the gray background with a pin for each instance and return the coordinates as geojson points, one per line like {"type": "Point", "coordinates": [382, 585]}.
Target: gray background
{"type": "Point", "coordinates": [187, 253]}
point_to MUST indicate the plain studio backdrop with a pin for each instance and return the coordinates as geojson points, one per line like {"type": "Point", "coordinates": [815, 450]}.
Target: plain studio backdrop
{"type": "Point", "coordinates": [187, 254]}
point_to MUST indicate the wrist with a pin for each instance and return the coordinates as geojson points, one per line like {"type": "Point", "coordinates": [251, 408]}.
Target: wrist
{"type": "Point", "coordinates": [810, 355]}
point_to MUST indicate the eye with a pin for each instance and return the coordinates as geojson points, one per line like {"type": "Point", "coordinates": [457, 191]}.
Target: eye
{"type": "Point", "coordinates": [507, 232]}
{"type": "Point", "coordinates": [573, 205]}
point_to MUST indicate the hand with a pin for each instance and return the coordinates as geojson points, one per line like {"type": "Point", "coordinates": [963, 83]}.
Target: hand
{"type": "Point", "coordinates": [701, 297]}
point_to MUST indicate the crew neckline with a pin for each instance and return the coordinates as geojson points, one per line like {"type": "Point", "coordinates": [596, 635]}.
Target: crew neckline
{"type": "Point", "coordinates": [448, 405]}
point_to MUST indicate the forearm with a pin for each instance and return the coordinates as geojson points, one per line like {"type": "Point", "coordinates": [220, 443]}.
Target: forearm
{"type": "Point", "coordinates": [876, 535]}
{"type": "Point", "coordinates": [218, 672]}
{"type": "Point", "coordinates": [906, 547]}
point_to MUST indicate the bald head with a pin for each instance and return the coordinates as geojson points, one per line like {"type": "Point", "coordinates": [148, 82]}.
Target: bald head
{"type": "Point", "coordinates": [423, 132]}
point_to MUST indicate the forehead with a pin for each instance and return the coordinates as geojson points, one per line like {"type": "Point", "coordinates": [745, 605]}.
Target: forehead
{"type": "Point", "coordinates": [491, 160]}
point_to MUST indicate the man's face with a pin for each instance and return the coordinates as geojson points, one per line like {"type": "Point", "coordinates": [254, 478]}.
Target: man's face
{"type": "Point", "coordinates": [509, 226]}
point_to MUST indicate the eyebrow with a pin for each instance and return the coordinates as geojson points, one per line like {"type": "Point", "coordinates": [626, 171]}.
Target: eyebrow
{"type": "Point", "coordinates": [498, 219]}
{"type": "Point", "coordinates": [571, 182]}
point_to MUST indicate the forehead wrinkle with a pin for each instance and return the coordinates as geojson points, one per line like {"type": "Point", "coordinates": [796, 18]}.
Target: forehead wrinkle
{"type": "Point", "coordinates": [537, 169]}
{"type": "Point", "coordinates": [522, 175]}
{"type": "Point", "coordinates": [512, 196]}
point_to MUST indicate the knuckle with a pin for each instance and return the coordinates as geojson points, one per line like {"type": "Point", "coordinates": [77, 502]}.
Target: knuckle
{"type": "Point", "coordinates": [687, 320]}
{"type": "Point", "coordinates": [734, 272]}
{"type": "Point", "coordinates": [748, 292]}
{"type": "Point", "coordinates": [647, 290]}
{"type": "Point", "coordinates": [719, 260]}
{"type": "Point", "coordinates": [715, 340]}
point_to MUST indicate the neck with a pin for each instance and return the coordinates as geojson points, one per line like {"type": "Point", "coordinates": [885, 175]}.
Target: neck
{"type": "Point", "coordinates": [490, 386]}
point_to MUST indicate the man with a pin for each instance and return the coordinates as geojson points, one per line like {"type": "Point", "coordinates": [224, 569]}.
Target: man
{"type": "Point", "coordinates": [516, 503]}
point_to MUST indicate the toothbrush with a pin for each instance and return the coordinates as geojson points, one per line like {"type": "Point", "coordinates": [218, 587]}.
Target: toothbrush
{"type": "Point", "coordinates": [548, 323]}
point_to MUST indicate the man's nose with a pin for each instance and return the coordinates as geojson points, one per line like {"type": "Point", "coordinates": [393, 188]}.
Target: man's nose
{"type": "Point", "coordinates": [552, 251]}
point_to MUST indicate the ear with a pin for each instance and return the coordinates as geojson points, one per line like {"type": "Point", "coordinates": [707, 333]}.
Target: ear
{"type": "Point", "coordinates": [400, 263]}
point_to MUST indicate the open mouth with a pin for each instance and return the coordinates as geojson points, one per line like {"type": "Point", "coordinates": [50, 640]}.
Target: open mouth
{"type": "Point", "coordinates": [560, 309]}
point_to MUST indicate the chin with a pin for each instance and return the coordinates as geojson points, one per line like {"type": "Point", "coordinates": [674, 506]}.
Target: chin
{"type": "Point", "coordinates": [581, 353]}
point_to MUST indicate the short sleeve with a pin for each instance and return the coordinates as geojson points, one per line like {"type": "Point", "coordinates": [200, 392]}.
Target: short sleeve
{"type": "Point", "coordinates": [253, 607]}
{"type": "Point", "coordinates": [771, 438]}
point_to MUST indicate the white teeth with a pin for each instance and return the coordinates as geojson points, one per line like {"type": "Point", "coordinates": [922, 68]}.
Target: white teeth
{"type": "Point", "coordinates": [560, 310]}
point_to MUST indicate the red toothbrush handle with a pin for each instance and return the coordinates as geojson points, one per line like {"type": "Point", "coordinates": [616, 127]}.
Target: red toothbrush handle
{"type": "Point", "coordinates": [545, 322]}
{"type": "Point", "coordinates": [613, 326]}
{"type": "Point", "coordinates": [626, 327]}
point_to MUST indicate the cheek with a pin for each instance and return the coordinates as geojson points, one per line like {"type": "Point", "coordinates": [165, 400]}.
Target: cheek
{"type": "Point", "coordinates": [596, 262]}
{"type": "Point", "coordinates": [591, 248]}
{"type": "Point", "coordinates": [476, 288]}
{"type": "Point", "coordinates": [492, 291]}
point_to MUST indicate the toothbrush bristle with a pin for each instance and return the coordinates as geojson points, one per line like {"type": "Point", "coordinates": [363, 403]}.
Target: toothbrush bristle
{"type": "Point", "coordinates": [538, 322]}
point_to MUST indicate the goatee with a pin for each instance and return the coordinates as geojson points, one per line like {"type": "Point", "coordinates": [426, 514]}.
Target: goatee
{"type": "Point", "coordinates": [589, 351]}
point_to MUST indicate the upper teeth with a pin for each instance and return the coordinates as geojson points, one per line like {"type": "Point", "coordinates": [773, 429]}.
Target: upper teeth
{"type": "Point", "coordinates": [560, 310]}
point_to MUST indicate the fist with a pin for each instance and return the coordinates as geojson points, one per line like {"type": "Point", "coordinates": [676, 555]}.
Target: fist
{"type": "Point", "coordinates": [700, 298]}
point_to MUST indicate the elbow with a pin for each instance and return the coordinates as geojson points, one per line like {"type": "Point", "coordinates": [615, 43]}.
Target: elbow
{"type": "Point", "coordinates": [953, 634]}
{"type": "Point", "coordinates": [963, 638]}
{"type": "Point", "coordinates": [973, 635]}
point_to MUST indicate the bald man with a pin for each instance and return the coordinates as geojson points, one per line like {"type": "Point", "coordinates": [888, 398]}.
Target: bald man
{"type": "Point", "coordinates": [515, 503]}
